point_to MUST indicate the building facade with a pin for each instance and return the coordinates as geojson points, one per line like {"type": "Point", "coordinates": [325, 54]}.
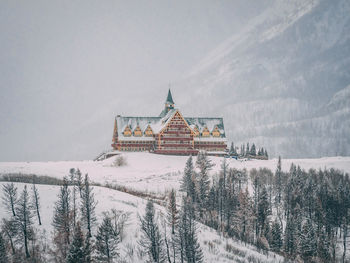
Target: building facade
{"type": "Point", "coordinates": [169, 133]}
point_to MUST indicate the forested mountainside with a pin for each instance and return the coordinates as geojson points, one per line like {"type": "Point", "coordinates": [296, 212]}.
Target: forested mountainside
{"type": "Point", "coordinates": [282, 81]}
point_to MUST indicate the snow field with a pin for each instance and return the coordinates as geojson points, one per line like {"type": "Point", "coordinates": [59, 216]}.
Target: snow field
{"type": "Point", "coordinates": [216, 248]}
{"type": "Point", "coordinates": [156, 173]}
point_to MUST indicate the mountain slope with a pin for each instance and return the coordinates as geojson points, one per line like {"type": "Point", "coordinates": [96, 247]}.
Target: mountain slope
{"type": "Point", "coordinates": [281, 80]}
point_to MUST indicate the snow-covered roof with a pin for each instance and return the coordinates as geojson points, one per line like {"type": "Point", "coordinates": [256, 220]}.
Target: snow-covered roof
{"type": "Point", "coordinates": [158, 123]}
{"type": "Point", "coordinates": [210, 123]}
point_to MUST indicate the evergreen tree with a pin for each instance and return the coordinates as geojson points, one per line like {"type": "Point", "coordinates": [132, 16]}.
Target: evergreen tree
{"type": "Point", "coordinates": [76, 250]}
{"type": "Point", "coordinates": [75, 188]}
{"type": "Point", "coordinates": [151, 239]}
{"type": "Point", "coordinates": [308, 246]}
{"type": "Point", "coordinates": [247, 150]}
{"type": "Point", "coordinates": [106, 241]}
{"type": "Point", "coordinates": [190, 249]}
{"type": "Point", "coordinates": [232, 149]}
{"type": "Point", "coordinates": [323, 245]}
{"type": "Point", "coordinates": [290, 242]}
{"type": "Point", "coordinates": [36, 203]}
{"type": "Point", "coordinates": [62, 223]}
{"type": "Point", "coordinates": [79, 181]}
{"type": "Point", "coordinates": [263, 210]}
{"type": "Point", "coordinates": [10, 197]}
{"type": "Point", "coordinates": [276, 237]}
{"type": "Point", "coordinates": [88, 205]}
{"type": "Point", "coordinates": [172, 212]}
{"type": "Point", "coordinates": [245, 216]}
{"type": "Point", "coordinates": [188, 183]}
{"type": "Point", "coordinates": [204, 165]}
{"type": "Point", "coordinates": [265, 154]}
{"type": "Point", "coordinates": [88, 250]}
{"type": "Point", "coordinates": [24, 220]}
{"type": "Point", "coordinates": [253, 150]}
{"type": "Point", "coordinates": [3, 252]}
{"type": "Point", "coordinates": [278, 181]}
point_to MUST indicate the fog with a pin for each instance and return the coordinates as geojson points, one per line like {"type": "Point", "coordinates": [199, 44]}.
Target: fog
{"type": "Point", "coordinates": [68, 67]}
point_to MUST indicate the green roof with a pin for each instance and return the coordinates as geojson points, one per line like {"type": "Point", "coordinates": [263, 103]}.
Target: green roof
{"type": "Point", "coordinates": [169, 99]}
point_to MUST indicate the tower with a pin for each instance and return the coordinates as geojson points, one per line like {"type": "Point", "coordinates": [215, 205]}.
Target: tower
{"type": "Point", "coordinates": [169, 104]}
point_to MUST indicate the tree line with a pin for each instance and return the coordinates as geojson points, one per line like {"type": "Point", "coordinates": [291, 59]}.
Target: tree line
{"type": "Point", "coordinates": [298, 214]}
{"type": "Point", "coordinates": [248, 151]}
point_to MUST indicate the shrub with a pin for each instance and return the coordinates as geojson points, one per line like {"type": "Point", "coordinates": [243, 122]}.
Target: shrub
{"type": "Point", "coordinates": [120, 161]}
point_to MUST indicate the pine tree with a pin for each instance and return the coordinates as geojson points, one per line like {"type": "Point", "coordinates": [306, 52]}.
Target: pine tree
{"type": "Point", "coordinates": [24, 220]}
{"type": "Point", "coordinates": [3, 252]}
{"type": "Point", "coordinates": [253, 150]}
{"type": "Point", "coordinates": [10, 197]}
{"type": "Point", "coordinates": [190, 249]}
{"type": "Point", "coordinates": [290, 237]}
{"type": "Point", "coordinates": [88, 250]}
{"type": "Point", "coordinates": [106, 241]}
{"type": "Point", "coordinates": [74, 183]}
{"type": "Point", "coordinates": [188, 183]}
{"type": "Point", "coordinates": [276, 237]}
{"type": "Point", "coordinates": [79, 181]}
{"type": "Point", "coordinates": [263, 210]}
{"type": "Point", "coordinates": [172, 212]}
{"type": "Point", "coordinates": [36, 203]}
{"type": "Point", "coordinates": [88, 205]}
{"type": "Point", "coordinates": [62, 222]}
{"type": "Point", "coordinates": [76, 250]}
{"type": "Point", "coordinates": [308, 246]}
{"type": "Point", "coordinates": [278, 181]}
{"type": "Point", "coordinates": [245, 216]}
{"type": "Point", "coordinates": [151, 239]}
{"type": "Point", "coordinates": [204, 165]}
{"type": "Point", "coordinates": [323, 245]}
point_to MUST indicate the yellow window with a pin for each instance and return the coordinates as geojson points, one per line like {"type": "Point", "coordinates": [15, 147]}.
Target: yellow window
{"type": "Point", "coordinates": [216, 132]}
{"type": "Point", "coordinates": [205, 132]}
{"type": "Point", "coordinates": [137, 131]}
{"type": "Point", "coordinates": [127, 131]}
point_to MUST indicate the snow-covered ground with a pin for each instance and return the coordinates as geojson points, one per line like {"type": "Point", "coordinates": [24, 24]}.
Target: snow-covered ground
{"type": "Point", "coordinates": [156, 173]}
{"type": "Point", "coordinates": [212, 243]}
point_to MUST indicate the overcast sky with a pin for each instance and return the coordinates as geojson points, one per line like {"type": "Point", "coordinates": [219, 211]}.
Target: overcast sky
{"type": "Point", "coordinates": [67, 67]}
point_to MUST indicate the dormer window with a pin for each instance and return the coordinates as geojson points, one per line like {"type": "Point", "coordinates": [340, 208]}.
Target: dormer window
{"type": "Point", "coordinates": [216, 132]}
{"type": "Point", "coordinates": [127, 131]}
{"type": "Point", "coordinates": [137, 131]}
{"type": "Point", "coordinates": [148, 131]}
{"type": "Point", "coordinates": [205, 132]}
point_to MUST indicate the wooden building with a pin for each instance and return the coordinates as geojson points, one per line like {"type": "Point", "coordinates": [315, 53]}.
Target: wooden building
{"type": "Point", "coordinates": [169, 133]}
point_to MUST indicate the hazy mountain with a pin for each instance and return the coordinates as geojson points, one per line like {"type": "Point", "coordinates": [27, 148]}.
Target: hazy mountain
{"type": "Point", "coordinates": [282, 81]}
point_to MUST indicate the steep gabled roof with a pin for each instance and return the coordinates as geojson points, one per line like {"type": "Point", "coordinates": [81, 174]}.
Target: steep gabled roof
{"type": "Point", "coordinates": [158, 123]}
{"type": "Point", "coordinates": [169, 99]}
{"type": "Point", "coordinates": [210, 123]}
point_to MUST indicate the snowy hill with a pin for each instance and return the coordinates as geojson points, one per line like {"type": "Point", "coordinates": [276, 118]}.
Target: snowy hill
{"type": "Point", "coordinates": [156, 173]}
{"type": "Point", "coordinates": [216, 248]}
{"type": "Point", "coordinates": [284, 79]}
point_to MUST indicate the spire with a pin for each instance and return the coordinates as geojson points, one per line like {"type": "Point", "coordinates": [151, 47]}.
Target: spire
{"type": "Point", "coordinates": [169, 104]}
{"type": "Point", "coordinates": [169, 99]}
